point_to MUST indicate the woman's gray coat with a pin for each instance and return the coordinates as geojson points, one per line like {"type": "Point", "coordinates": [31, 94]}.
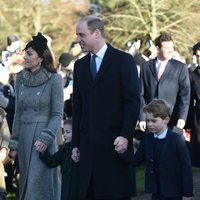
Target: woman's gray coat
{"type": "Point", "coordinates": [38, 115]}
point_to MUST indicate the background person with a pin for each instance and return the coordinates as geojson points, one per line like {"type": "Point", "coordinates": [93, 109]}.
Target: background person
{"type": "Point", "coordinates": [194, 111]}
{"type": "Point", "coordinates": [165, 78]}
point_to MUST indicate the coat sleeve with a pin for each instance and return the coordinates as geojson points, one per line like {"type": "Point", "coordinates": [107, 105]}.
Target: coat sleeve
{"type": "Point", "coordinates": [137, 158]}
{"type": "Point", "coordinates": [77, 108]}
{"type": "Point", "coordinates": [186, 166]}
{"type": "Point", "coordinates": [51, 161]}
{"type": "Point", "coordinates": [56, 111]}
{"type": "Point", "coordinates": [184, 93]}
{"type": "Point", "coordinates": [131, 96]}
{"type": "Point", "coordinates": [13, 144]}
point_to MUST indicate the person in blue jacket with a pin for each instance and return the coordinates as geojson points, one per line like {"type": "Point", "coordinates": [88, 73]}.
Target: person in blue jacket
{"type": "Point", "coordinates": [168, 174]}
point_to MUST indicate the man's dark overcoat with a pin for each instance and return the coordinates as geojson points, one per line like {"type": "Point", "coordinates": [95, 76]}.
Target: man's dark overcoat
{"type": "Point", "coordinates": [194, 116]}
{"type": "Point", "coordinates": [104, 109]}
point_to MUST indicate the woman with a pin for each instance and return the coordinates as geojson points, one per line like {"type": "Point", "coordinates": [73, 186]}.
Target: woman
{"type": "Point", "coordinates": [38, 115]}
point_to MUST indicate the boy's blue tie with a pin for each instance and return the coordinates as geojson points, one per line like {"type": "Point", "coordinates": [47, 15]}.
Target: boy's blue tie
{"type": "Point", "coordinates": [94, 66]}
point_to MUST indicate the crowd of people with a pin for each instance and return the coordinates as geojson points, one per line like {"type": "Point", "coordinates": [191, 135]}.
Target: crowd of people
{"type": "Point", "coordinates": [83, 113]}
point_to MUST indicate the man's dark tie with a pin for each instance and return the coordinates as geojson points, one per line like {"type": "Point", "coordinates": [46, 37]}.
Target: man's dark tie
{"type": "Point", "coordinates": [94, 66]}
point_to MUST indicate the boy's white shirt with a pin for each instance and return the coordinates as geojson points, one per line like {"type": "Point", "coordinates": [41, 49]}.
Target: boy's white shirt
{"type": "Point", "coordinates": [162, 135]}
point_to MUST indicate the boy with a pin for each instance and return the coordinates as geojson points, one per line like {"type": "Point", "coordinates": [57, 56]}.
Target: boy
{"type": "Point", "coordinates": [168, 173]}
{"type": "Point", "coordinates": [69, 169]}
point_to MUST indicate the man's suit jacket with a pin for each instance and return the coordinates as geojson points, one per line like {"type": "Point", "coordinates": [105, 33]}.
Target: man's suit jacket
{"type": "Point", "coordinates": [104, 109]}
{"type": "Point", "coordinates": [175, 169]}
{"type": "Point", "coordinates": [173, 86]}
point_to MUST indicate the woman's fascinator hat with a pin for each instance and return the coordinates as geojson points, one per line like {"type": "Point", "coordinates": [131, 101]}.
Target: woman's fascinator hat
{"type": "Point", "coordinates": [38, 43]}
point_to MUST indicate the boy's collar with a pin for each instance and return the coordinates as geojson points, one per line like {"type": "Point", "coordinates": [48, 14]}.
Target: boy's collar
{"type": "Point", "coordinates": [161, 135]}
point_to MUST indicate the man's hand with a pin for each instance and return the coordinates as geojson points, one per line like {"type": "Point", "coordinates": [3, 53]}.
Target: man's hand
{"type": "Point", "coordinates": [181, 123]}
{"type": "Point", "coordinates": [75, 154]}
{"type": "Point", "coordinates": [142, 125]}
{"type": "Point", "coordinates": [121, 144]}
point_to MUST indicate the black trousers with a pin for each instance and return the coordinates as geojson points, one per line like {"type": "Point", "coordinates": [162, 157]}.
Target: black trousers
{"type": "Point", "coordinates": [160, 197]}
{"type": "Point", "coordinates": [90, 193]}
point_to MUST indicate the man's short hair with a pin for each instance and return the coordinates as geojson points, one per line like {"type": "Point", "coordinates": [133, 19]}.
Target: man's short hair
{"type": "Point", "coordinates": [162, 38]}
{"type": "Point", "coordinates": [94, 23]}
{"type": "Point", "coordinates": [196, 47]}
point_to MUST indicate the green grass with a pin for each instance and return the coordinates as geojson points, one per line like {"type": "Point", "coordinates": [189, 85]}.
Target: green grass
{"type": "Point", "coordinates": [140, 178]}
{"type": "Point", "coordinates": [195, 170]}
{"type": "Point", "coordinates": [11, 197]}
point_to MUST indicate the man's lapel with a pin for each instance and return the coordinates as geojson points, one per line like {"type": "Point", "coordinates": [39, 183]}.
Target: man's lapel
{"type": "Point", "coordinates": [153, 68]}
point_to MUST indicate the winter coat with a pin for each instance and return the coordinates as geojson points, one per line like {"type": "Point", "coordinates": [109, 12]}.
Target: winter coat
{"type": "Point", "coordinates": [69, 171]}
{"type": "Point", "coordinates": [38, 115]}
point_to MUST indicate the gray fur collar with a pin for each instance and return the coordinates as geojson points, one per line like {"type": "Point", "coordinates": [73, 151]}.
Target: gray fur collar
{"type": "Point", "coordinates": [33, 79]}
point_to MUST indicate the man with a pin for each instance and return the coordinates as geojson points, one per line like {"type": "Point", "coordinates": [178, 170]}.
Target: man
{"type": "Point", "coordinates": [168, 79]}
{"type": "Point", "coordinates": [105, 112]}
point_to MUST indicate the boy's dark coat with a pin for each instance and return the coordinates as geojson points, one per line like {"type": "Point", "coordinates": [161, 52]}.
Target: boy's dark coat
{"type": "Point", "coordinates": [175, 168]}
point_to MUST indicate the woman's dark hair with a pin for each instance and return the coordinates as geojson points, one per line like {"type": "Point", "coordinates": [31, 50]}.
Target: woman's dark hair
{"type": "Point", "coordinates": [39, 44]}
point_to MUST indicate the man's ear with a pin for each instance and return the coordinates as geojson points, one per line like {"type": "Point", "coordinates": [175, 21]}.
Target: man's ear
{"type": "Point", "coordinates": [97, 33]}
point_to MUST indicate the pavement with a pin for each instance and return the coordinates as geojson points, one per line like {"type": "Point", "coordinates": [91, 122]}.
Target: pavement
{"type": "Point", "coordinates": [196, 180]}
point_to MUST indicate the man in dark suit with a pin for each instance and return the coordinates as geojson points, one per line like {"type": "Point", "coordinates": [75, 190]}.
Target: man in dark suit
{"type": "Point", "coordinates": [165, 78]}
{"type": "Point", "coordinates": [105, 112]}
